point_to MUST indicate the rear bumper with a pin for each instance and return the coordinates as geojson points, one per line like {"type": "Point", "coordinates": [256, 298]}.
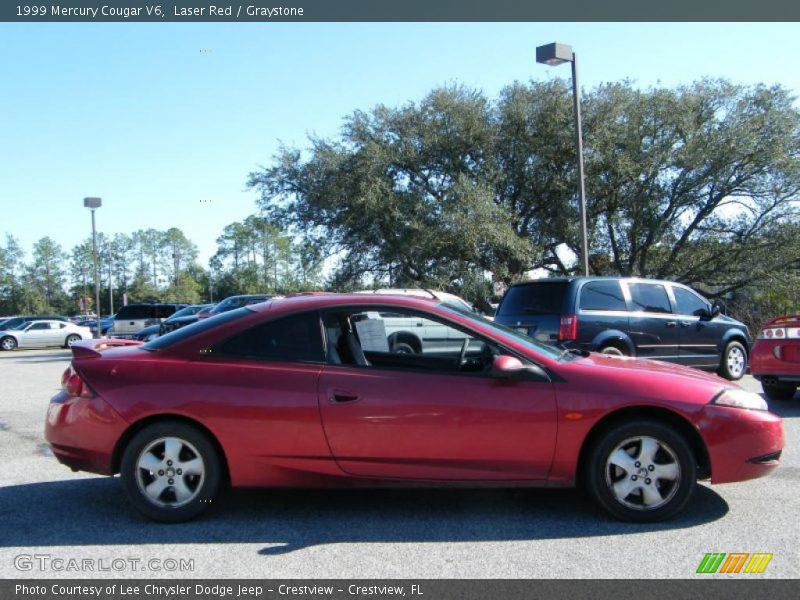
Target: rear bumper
{"type": "Point", "coordinates": [742, 444]}
{"type": "Point", "coordinates": [776, 359]}
{"type": "Point", "coordinates": [82, 432]}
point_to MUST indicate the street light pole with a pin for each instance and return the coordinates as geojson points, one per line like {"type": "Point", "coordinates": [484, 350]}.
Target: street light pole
{"type": "Point", "coordinates": [92, 204]}
{"type": "Point", "coordinates": [110, 280]}
{"type": "Point", "coordinates": [556, 54]}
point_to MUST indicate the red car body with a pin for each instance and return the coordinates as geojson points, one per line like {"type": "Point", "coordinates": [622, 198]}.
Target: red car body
{"type": "Point", "coordinates": [775, 357]}
{"type": "Point", "coordinates": [278, 424]}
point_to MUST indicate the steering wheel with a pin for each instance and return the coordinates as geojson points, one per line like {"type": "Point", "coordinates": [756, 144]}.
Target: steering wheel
{"type": "Point", "coordinates": [463, 356]}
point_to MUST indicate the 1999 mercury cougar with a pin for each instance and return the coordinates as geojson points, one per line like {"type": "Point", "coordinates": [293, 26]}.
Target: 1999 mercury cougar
{"type": "Point", "coordinates": [307, 391]}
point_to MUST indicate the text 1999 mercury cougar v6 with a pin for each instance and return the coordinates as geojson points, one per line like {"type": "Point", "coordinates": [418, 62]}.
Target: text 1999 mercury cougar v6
{"type": "Point", "coordinates": [307, 391]}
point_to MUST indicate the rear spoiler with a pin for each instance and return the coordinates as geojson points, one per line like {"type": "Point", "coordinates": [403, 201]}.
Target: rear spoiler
{"type": "Point", "coordinates": [93, 348]}
{"type": "Point", "coordinates": [785, 320]}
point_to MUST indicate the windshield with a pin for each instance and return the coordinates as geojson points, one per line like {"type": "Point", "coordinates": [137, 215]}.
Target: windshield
{"type": "Point", "coordinates": [531, 343]}
{"type": "Point", "coordinates": [186, 312]}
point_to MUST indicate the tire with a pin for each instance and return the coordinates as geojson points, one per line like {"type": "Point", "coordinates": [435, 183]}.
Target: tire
{"type": "Point", "coordinates": [149, 448]}
{"type": "Point", "coordinates": [612, 351]}
{"type": "Point", "coordinates": [733, 364]}
{"type": "Point", "coordinates": [71, 339]}
{"type": "Point", "coordinates": [8, 343]}
{"type": "Point", "coordinates": [402, 348]}
{"type": "Point", "coordinates": [611, 471]}
{"type": "Point", "coordinates": [779, 391]}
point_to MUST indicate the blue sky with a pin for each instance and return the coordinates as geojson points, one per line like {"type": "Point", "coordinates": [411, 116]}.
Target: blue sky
{"type": "Point", "coordinates": [165, 121]}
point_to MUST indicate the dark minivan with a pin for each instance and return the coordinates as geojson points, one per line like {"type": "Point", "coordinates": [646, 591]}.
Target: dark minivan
{"type": "Point", "coordinates": [644, 318]}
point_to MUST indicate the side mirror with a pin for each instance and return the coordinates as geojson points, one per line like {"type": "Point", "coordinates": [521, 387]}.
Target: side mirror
{"type": "Point", "coordinates": [715, 310]}
{"type": "Point", "coordinates": [510, 367]}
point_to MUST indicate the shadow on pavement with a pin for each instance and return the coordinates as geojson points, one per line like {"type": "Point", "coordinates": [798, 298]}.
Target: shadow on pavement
{"type": "Point", "coordinates": [94, 512]}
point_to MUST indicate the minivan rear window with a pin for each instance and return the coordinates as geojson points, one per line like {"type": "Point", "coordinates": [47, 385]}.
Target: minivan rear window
{"type": "Point", "coordinates": [540, 298]}
{"type": "Point", "coordinates": [136, 311]}
{"type": "Point", "coordinates": [602, 295]}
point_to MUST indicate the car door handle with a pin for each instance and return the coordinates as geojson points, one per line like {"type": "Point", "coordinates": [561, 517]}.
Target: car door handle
{"type": "Point", "coordinates": [686, 323]}
{"type": "Point", "coordinates": [671, 323]}
{"type": "Point", "coordinates": [419, 324]}
{"type": "Point", "coordinates": [343, 397]}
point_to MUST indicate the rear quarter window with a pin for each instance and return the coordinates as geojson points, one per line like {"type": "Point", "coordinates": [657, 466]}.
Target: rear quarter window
{"type": "Point", "coordinates": [296, 338]}
{"type": "Point", "coordinates": [602, 295]}
{"type": "Point", "coordinates": [534, 299]}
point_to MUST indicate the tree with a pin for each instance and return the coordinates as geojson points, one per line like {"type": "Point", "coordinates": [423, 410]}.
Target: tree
{"type": "Point", "coordinates": [11, 271]}
{"type": "Point", "coordinates": [692, 184]}
{"type": "Point", "coordinates": [47, 273]}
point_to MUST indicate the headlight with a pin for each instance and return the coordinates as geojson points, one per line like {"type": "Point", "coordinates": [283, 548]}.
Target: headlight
{"type": "Point", "coordinates": [740, 399]}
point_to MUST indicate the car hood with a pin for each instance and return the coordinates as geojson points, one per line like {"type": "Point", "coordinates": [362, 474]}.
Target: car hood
{"type": "Point", "coordinates": [645, 366]}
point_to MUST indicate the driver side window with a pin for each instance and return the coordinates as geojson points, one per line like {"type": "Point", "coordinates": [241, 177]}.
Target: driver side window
{"type": "Point", "coordinates": [396, 338]}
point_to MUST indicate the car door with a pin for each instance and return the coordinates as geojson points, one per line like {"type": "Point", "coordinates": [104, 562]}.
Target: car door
{"type": "Point", "coordinates": [653, 326]}
{"type": "Point", "coordinates": [37, 335]}
{"type": "Point", "coordinates": [416, 417]}
{"type": "Point", "coordinates": [699, 334]}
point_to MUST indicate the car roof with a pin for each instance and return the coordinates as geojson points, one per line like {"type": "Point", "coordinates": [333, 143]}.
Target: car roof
{"type": "Point", "coordinates": [594, 278]}
{"type": "Point", "coordinates": [333, 300]}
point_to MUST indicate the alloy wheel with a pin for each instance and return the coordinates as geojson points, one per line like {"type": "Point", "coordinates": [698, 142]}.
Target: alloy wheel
{"type": "Point", "coordinates": [643, 473]}
{"type": "Point", "coordinates": [170, 472]}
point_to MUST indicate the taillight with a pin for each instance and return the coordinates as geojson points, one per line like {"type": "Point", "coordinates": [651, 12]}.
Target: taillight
{"type": "Point", "coordinates": [74, 385]}
{"type": "Point", "coordinates": [568, 328]}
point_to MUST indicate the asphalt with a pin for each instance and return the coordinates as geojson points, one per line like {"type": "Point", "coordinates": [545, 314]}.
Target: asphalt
{"type": "Point", "coordinates": [50, 514]}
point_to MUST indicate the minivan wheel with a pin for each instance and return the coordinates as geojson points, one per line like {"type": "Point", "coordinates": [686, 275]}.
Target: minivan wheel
{"type": "Point", "coordinates": [734, 361]}
{"type": "Point", "coordinates": [170, 472]}
{"type": "Point", "coordinates": [641, 471]}
{"type": "Point", "coordinates": [612, 351]}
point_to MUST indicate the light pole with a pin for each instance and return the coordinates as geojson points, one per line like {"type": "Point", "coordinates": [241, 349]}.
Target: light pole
{"type": "Point", "coordinates": [110, 280]}
{"type": "Point", "coordinates": [555, 54]}
{"type": "Point", "coordinates": [92, 204]}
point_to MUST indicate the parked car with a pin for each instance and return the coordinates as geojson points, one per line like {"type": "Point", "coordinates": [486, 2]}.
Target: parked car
{"type": "Point", "coordinates": [775, 358]}
{"type": "Point", "coordinates": [295, 393]}
{"type": "Point", "coordinates": [13, 322]}
{"type": "Point", "coordinates": [185, 316]}
{"type": "Point", "coordinates": [148, 333]}
{"type": "Point", "coordinates": [644, 318]}
{"type": "Point", "coordinates": [106, 323]}
{"type": "Point", "coordinates": [232, 302]}
{"type": "Point", "coordinates": [43, 333]}
{"type": "Point", "coordinates": [133, 317]}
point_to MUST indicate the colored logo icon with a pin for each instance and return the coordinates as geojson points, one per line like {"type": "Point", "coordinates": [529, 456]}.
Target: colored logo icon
{"type": "Point", "coordinates": [735, 562]}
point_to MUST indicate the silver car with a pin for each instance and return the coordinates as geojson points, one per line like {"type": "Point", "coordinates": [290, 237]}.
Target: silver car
{"type": "Point", "coordinates": [43, 333]}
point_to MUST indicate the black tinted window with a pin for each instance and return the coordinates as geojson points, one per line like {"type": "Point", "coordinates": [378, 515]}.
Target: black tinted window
{"type": "Point", "coordinates": [689, 303]}
{"type": "Point", "coordinates": [164, 311]}
{"type": "Point", "coordinates": [649, 297]}
{"type": "Point", "coordinates": [296, 338]}
{"type": "Point", "coordinates": [542, 298]}
{"type": "Point", "coordinates": [602, 295]}
{"type": "Point", "coordinates": [136, 311]}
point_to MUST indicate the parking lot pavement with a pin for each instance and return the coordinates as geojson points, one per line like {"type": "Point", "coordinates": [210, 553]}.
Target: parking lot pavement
{"type": "Point", "coordinates": [46, 510]}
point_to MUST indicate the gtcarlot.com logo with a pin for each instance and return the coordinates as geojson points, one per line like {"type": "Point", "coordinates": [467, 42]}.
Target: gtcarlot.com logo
{"type": "Point", "coordinates": [70, 564]}
{"type": "Point", "coordinates": [735, 562]}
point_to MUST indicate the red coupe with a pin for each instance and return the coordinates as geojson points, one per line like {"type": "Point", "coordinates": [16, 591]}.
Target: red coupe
{"type": "Point", "coordinates": [776, 357]}
{"type": "Point", "coordinates": [343, 390]}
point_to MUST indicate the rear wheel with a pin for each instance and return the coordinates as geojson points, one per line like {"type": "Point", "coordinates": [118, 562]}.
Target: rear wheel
{"type": "Point", "coordinates": [734, 361]}
{"type": "Point", "coordinates": [779, 391]}
{"type": "Point", "coordinates": [641, 471]}
{"type": "Point", "coordinates": [612, 350]}
{"type": "Point", "coordinates": [8, 343]}
{"type": "Point", "coordinates": [171, 472]}
{"type": "Point", "coordinates": [71, 339]}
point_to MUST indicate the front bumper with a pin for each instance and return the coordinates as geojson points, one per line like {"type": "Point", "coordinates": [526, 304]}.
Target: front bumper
{"type": "Point", "coordinates": [742, 444]}
{"type": "Point", "coordinates": [82, 432]}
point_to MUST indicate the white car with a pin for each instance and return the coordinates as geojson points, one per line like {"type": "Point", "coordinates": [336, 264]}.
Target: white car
{"type": "Point", "coordinates": [417, 335]}
{"type": "Point", "coordinates": [43, 333]}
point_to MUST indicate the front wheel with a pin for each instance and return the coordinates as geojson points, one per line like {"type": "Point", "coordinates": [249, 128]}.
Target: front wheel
{"type": "Point", "coordinates": [734, 361]}
{"type": "Point", "coordinates": [8, 343]}
{"type": "Point", "coordinates": [641, 471]}
{"type": "Point", "coordinates": [171, 472]}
